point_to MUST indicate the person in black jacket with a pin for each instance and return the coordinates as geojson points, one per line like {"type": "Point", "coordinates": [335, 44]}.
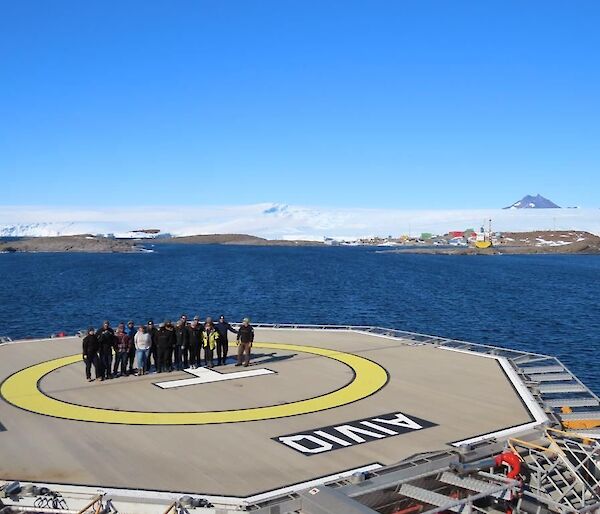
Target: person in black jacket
{"type": "Point", "coordinates": [245, 339]}
{"type": "Point", "coordinates": [90, 355]}
{"type": "Point", "coordinates": [195, 342]}
{"type": "Point", "coordinates": [182, 343]}
{"type": "Point", "coordinates": [153, 354]}
{"type": "Point", "coordinates": [171, 328]}
{"type": "Point", "coordinates": [106, 338]}
{"type": "Point", "coordinates": [222, 327]}
{"type": "Point", "coordinates": [131, 331]}
{"type": "Point", "coordinates": [165, 340]}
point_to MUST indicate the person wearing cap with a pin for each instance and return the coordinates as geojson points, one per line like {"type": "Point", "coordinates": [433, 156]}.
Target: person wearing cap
{"type": "Point", "coordinates": [165, 340]}
{"type": "Point", "coordinates": [195, 342]}
{"type": "Point", "coordinates": [223, 327]}
{"type": "Point", "coordinates": [209, 342]}
{"type": "Point", "coordinates": [106, 338]}
{"type": "Point", "coordinates": [245, 338]}
{"type": "Point", "coordinates": [91, 345]}
{"type": "Point", "coordinates": [131, 331]}
{"type": "Point", "coordinates": [153, 354]}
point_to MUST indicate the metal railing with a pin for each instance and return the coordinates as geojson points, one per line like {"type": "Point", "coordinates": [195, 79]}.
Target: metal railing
{"type": "Point", "coordinates": [412, 336]}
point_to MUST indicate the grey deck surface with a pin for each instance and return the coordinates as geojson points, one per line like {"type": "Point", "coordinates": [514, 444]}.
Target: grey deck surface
{"type": "Point", "coordinates": [463, 394]}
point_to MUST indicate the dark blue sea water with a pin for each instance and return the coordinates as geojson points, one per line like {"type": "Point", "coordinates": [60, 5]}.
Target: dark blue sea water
{"type": "Point", "coordinates": [539, 303]}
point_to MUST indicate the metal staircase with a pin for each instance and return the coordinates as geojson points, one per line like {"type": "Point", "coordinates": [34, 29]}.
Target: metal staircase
{"type": "Point", "coordinates": [463, 494]}
{"type": "Point", "coordinates": [565, 474]}
{"type": "Point", "coordinates": [562, 394]}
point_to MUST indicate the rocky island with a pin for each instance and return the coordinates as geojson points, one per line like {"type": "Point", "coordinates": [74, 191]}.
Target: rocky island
{"type": "Point", "coordinates": [81, 243]}
{"type": "Point", "coordinates": [102, 244]}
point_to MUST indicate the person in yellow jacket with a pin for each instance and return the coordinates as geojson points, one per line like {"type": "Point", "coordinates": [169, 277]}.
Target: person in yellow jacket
{"type": "Point", "coordinates": [209, 342]}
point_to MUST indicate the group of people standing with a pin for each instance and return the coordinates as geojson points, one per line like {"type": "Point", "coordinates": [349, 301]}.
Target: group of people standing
{"type": "Point", "coordinates": [169, 347]}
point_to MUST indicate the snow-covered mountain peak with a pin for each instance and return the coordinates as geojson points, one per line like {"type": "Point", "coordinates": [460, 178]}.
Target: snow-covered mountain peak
{"type": "Point", "coordinates": [533, 202]}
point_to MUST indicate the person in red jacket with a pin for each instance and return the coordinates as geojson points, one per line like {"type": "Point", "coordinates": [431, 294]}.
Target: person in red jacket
{"type": "Point", "coordinates": [122, 346]}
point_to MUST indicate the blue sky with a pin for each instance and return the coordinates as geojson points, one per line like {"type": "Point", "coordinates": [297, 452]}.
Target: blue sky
{"type": "Point", "coordinates": [404, 104]}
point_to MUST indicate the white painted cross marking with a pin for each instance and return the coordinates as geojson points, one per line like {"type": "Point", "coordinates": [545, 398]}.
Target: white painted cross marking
{"type": "Point", "coordinates": [207, 376]}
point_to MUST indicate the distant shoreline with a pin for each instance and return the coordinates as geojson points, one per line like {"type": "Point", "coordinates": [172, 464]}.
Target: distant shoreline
{"type": "Point", "coordinates": [520, 243]}
{"type": "Point", "coordinates": [511, 243]}
{"type": "Point", "coordinates": [501, 250]}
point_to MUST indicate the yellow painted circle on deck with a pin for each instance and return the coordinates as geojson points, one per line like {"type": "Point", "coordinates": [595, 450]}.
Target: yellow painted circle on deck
{"type": "Point", "coordinates": [21, 390]}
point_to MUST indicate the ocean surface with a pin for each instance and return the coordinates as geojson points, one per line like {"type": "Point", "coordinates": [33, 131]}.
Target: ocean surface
{"type": "Point", "coordinates": [540, 303]}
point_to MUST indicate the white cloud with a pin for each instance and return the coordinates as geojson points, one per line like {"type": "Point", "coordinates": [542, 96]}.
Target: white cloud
{"type": "Point", "coordinates": [284, 221]}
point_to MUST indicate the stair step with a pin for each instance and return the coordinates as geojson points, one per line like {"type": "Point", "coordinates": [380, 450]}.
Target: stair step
{"type": "Point", "coordinates": [571, 402]}
{"type": "Point", "coordinates": [523, 359]}
{"type": "Point", "coordinates": [550, 377]}
{"type": "Point", "coordinates": [562, 388]}
{"type": "Point", "coordinates": [542, 369]}
{"type": "Point", "coordinates": [592, 432]}
{"type": "Point", "coordinates": [425, 496]}
{"type": "Point", "coordinates": [472, 484]}
{"type": "Point", "coordinates": [582, 415]}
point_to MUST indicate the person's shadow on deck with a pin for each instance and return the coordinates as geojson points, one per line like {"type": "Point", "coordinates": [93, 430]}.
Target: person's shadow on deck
{"type": "Point", "coordinates": [265, 358]}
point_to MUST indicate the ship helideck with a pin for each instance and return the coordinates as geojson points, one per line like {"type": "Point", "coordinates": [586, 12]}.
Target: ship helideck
{"type": "Point", "coordinates": [327, 419]}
